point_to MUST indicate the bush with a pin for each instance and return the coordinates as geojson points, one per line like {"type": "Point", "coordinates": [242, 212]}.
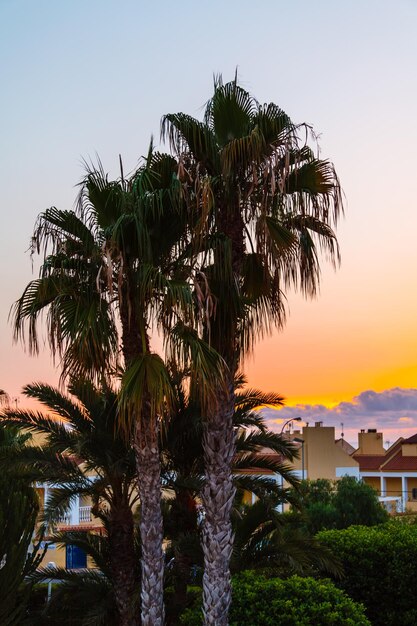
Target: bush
{"type": "Point", "coordinates": [295, 601]}
{"type": "Point", "coordinates": [339, 504]}
{"type": "Point", "coordinates": [380, 566]}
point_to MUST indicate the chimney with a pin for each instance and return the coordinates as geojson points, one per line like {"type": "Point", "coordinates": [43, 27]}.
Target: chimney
{"type": "Point", "coordinates": [370, 442]}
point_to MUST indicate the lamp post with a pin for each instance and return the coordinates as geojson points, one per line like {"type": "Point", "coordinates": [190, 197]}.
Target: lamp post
{"type": "Point", "coordinates": [48, 598]}
{"type": "Point", "coordinates": [299, 440]}
{"type": "Point", "coordinates": [293, 419]}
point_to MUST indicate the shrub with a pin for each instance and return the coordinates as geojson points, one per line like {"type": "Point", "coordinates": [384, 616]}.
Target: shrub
{"type": "Point", "coordinates": [339, 504]}
{"type": "Point", "coordinates": [380, 566]}
{"type": "Point", "coordinates": [295, 601]}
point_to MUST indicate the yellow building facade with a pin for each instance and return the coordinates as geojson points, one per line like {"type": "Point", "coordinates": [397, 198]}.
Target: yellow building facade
{"type": "Point", "coordinates": [392, 472]}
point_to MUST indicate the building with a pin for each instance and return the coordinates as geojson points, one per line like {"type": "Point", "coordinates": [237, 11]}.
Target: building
{"type": "Point", "coordinates": [393, 472]}
{"type": "Point", "coordinates": [321, 456]}
{"type": "Point", "coordinates": [79, 517]}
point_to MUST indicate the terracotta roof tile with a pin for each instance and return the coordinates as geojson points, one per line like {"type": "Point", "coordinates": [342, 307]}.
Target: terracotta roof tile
{"type": "Point", "coordinates": [395, 447]}
{"type": "Point", "coordinates": [400, 462]}
{"type": "Point", "coordinates": [81, 527]}
{"type": "Point", "coordinates": [370, 462]}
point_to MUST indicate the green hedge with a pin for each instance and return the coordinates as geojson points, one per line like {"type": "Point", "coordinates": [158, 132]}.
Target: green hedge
{"type": "Point", "coordinates": [380, 566]}
{"type": "Point", "coordinates": [296, 601]}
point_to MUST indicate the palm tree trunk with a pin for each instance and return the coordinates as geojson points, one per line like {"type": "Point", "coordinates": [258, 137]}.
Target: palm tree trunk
{"type": "Point", "coordinates": [123, 565]}
{"type": "Point", "coordinates": [151, 526]}
{"type": "Point", "coordinates": [145, 443]}
{"type": "Point", "coordinates": [217, 497]}
{"type": "Point", "coordinates": [219, 438]}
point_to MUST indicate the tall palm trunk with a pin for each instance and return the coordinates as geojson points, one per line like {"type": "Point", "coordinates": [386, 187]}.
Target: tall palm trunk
{"type": "Point", "coordinates": [219, 441]}
{"type": "Point", "coordinates": [217, 496]}
{"type": "Point", "coordinates": [145, 444]}
{"type": "Point", "coordinates": [151, 526]}
{"type": "Point", "coordinates": [123, 565]}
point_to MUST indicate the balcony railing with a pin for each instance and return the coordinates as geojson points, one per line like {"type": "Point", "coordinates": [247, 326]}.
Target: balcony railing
{"type": "Point", "coordinates": [65, 519]}
{"type": "Point", "coordinates": [85, 513]}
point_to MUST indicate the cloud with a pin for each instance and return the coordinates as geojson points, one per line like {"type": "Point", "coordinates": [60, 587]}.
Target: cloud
{"type": "Point", "coordinates": [393, 411]}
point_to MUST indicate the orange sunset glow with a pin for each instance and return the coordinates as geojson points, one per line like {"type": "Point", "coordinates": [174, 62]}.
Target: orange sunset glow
{"type": "Point", "coordinates": [358, 337]}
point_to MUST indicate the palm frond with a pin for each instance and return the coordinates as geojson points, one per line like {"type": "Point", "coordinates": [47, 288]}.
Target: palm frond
{"type": "Point", "coordinates": [61, 498]}
{"type": "Point", "coordinates": [185, 133]}
{"type": "Point", "coordinates": [41, 464]}
{"type": "Point", "coordinates": [59, 403]}
{"type": "Point", "coordinates": [319, 186]}
{"type": "Point", "coordinates": [229, 112]}
{"type": "Point", "coordinates": [57, 226]}
{"type": "Point", "coordinates": [207, 368]}
{"type": "Point", "coordinates": [273, 123]}
{"type": "Point", "coordinates": [36, 422]}
{"type": "Point", "coordinates": [96, 546]}
{"type": "Point", "coordinates": [251, 399]}
{"type": "Point", "coordinates": [146, 378]}
{"type": "Point", "coordinates": [267, 441]}
{"type": "Point", "coordinates": [262, 487]}
{"type": "Point", "coordinates": [84, 596]}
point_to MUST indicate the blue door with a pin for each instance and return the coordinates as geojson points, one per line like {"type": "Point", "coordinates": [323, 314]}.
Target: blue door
{"type": "Point", "coordinates": [75, 558]}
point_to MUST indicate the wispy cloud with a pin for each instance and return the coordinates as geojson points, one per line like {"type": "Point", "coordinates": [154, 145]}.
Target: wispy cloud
{"type": "Point", "coordinates": [393, 412]}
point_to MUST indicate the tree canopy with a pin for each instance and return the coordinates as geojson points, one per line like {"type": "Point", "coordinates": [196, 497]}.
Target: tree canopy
{"type": "Point", "coordinates": [338, 504]}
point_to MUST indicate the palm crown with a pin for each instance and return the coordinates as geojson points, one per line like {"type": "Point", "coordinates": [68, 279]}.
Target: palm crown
{"type": "Point", "coordinates": [269, 203]}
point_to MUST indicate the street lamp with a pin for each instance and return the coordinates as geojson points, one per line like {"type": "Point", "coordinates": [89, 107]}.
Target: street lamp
{"type": "Point", "coordinates": [293, 419]}
{"type": "Point", "coordinates": [299, 440]}
{"type": "Point", "coordinates": [51, 564]}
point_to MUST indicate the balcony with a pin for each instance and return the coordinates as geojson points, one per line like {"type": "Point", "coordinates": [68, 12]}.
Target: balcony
{"type": "Point", "coordinates": [84, 514]}
{"type": "Point", "coordinates": [79, 515]}
{"type": "Point", "coordinates": [65, 519]}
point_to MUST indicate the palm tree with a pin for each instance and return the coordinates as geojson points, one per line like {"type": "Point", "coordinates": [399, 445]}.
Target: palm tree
{"type": "Point", "coordinates": [183, 471]}
{"type": "Point", "coordinates": [19, 509]}
{"type": "Point", "coordinates": [268, 205]}
{"type": "Point", "coordinates": [266, 539]}
{"type": "Point", "coordinates": [117, 263]}
{"type": "Point", "coordinates": [86, 442]}
{"type": "Point", "coordinates": [83, 597]}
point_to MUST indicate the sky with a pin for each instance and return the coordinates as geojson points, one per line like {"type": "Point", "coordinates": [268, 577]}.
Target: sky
{"type": "Point", "coordinates": [85, 78]}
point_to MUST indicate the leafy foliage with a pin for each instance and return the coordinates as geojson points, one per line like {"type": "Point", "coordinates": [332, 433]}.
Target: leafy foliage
{"type": "Point", "coordinates": [292, 602]}
{"type": "Point", "coordinates": [380, 566]}
{"type": "Point", "coordinates": [267, 206]}
{"type": "Point", "coordinates": [339, 504]}
{"type": "Point", "coordinates": [83, 597]}
{"type": "Point", "coordinates": [265, 540]}
{"type": "Point", "coordinates": [85, 454]}
{"type": "Point", "coordinates": [19, 508]}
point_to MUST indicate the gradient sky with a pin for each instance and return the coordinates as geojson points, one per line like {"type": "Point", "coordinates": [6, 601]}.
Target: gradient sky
{"type": "Point", "coordinates": [80, 78]}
